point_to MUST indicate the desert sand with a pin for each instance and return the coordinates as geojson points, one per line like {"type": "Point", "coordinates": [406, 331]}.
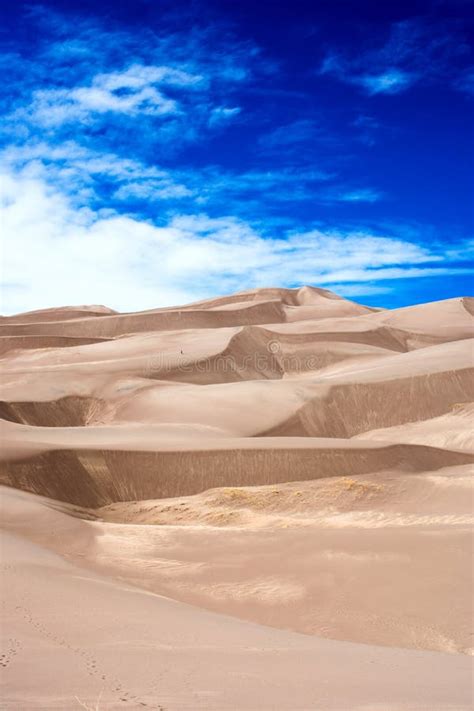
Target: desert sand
{"type": "Point", "coordinates": [260, 501]}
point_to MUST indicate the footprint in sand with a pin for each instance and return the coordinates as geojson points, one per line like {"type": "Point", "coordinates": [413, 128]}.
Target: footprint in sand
{"type": "Point", "coordinates": [10, 653]}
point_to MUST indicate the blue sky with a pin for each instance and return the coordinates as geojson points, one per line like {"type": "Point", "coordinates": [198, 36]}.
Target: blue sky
{"type": "Point", "coordinates": [154, 153]}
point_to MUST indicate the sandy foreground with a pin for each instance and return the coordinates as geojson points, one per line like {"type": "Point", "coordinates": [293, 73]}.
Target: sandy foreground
{"type": "Point", "coordinates": [262, 501]}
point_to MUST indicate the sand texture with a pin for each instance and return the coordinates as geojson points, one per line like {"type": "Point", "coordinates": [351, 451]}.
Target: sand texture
{"type": "Point", "coordinates": [257, 502]}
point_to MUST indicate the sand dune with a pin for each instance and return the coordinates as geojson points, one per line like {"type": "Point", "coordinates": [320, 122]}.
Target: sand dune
{"type": "Point", "coordinates": [151, 652]}
{"type": "Point", "coordinates": [453, 430]}
{"type": "Point", "coordinates": [452, 317]}
{"type": "Point", "coordinates": [101, 465]}
{"type": "Point", "coordinates": [284, 456]}
{"type": "Point", "coordinates": [113, 326]}
{"type": "Point", "coordinates": [20, 343]}
{"type": "Point", "coordinates": [263, 306]}
{"type": "Point", "coordinates": [351, 529]}
{"type": "Point", "coordinates": [58, 314]}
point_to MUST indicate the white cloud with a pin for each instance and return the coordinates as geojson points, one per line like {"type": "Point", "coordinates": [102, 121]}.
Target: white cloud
{"type": "Point", "coordinates": [362, 195]}
{"type": "Point", "coordinates": [80, 171]}
{"type": "Point", "coordinates": [131, 92]}
{"type": "Point", "coordinates": [391, 81]}
{"type": "Point", "coordinates": [159, 88]}
{"type": "Point", "coordinates": [138, 76]}
{"type": "Point", "coordinates": [222, 114]}
{"type": "Point", "coordinates": [76, 169]}
{"type": "Point", "coordinates": [152, 190]}
{"type": "Point", "coordinates": [56, 254]}
{"type": "Point", "coordinates": [187, 103]}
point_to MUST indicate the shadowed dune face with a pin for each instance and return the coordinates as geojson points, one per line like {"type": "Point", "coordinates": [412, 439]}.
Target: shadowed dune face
{"type": "Point", "coordinates": [284, 456]}
{"type": "Point", "coordinates": [93, 477]}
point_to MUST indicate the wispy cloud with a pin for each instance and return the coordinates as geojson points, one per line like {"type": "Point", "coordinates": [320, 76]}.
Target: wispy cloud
{"type": "Point", "coordinates": [90, 177]}
{"type": "Point", "coordinates": [223, 114]}
{"type": "Point", "coordinates": [85, 174]}
{"type": "Point", "coordinates": [388, 80]}
{"type": "Point", "coordinates": [291, 184]}
{"type": "Point", "coordinates": [132, 111]}
{"type": "Point", "coordinates": [138, 89]}
{"type": "Point", "coordinates": [181, 85]}
{"type": "Point", "coordinates": [415, 51]}
{"type": "Point", "coordinates": [291, 136]}
{"type": "Point", "coordinates": [391, 81]}
{"type": "Point", "coordinates": [465, 81]}
{"type": "Point", "coordinates": [367, 127]}
{"type": "Point", "coordinates": [362, 195]}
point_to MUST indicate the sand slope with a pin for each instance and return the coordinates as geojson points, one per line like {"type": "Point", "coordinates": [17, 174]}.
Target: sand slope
{"type": "Point", "coordinates": [283, 456]}
{"type": "Point", "coordinates": [129, 649]}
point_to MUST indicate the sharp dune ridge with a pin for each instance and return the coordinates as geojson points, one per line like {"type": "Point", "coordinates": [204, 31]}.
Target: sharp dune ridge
{"type": "Point", "coordinates": [273, 486]}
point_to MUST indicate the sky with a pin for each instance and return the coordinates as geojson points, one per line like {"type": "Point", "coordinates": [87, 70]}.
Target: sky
{"type": "Point", "coordinates": [155, 153]}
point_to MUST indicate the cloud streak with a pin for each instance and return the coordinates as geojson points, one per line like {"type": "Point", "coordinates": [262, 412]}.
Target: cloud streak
{"type": "Point", "coordinates": [415, 51]}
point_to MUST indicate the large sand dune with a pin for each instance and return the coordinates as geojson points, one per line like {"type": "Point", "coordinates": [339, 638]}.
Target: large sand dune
{"type": "Point", "coordinates": [281, 456]}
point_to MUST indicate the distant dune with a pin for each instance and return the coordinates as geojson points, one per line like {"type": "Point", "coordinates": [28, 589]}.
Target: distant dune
{"type": "Point", "coordinates": [186, 490]}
